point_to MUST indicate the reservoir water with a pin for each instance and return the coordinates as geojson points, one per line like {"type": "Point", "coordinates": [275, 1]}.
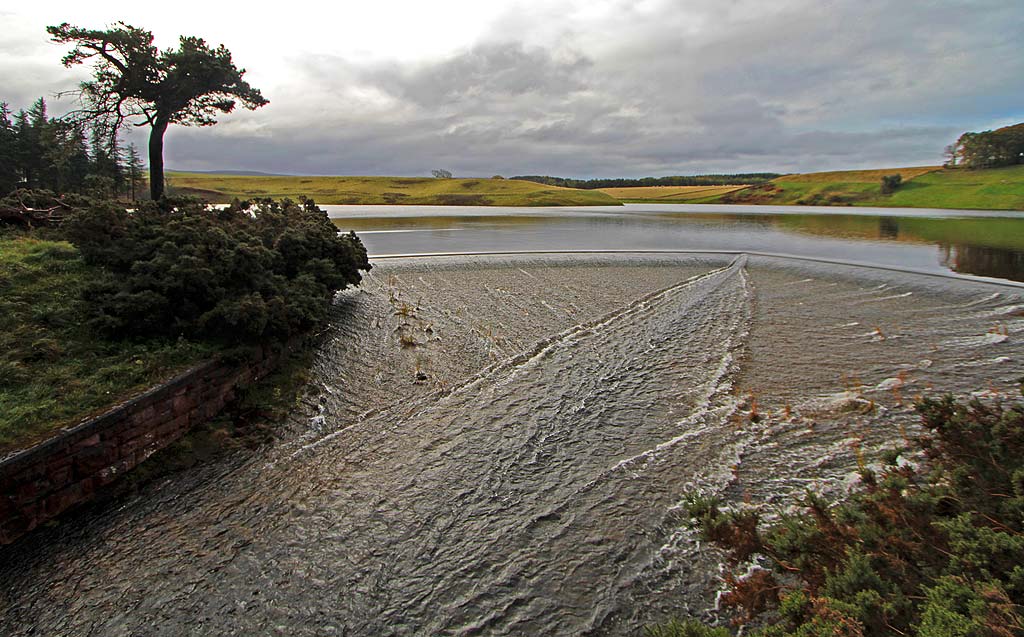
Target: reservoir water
{"type": "Point", "coordinates": [976, 243]}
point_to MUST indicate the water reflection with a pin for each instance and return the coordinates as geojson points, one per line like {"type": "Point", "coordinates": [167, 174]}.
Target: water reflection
{"type": "Point", "coordinates": [990, 246]}
{"type": "Point", "coordinates": [888, 228]}
{"type": "Point", "coordinates": [984, 261]}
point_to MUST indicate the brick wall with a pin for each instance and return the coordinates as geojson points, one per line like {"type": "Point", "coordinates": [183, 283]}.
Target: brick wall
{"type": "Point", "coordinates": [41, 482]}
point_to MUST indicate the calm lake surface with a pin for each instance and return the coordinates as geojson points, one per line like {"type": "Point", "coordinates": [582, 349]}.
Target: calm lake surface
{"type": "Point", "coordinates": [974, 243]}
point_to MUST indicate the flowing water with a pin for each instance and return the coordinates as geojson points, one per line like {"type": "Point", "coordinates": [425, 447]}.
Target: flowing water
{"type": "Point", "coordinates": [979, 243]}
{"type": "Point", "coordinates": [500, 445]}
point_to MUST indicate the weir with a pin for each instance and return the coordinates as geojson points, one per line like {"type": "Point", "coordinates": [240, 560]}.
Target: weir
{"type": "Point", "coordinates": [530, 482]}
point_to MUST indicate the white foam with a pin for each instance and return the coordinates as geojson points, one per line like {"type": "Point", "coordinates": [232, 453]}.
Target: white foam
{"type": "Point", "coordinates": [989, 338]}
{"type": "Point", "coordinates": [1008, 309]}
{"type": "Point", "coordinates": [889, 298]}
{"type": "Point", "coordinates": [889, 383]}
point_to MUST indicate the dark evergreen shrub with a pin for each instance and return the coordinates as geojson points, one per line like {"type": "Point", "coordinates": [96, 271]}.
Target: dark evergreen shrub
{"type": "Point", "coordinates": [256, 271]}
{"type": "Point", "coordinates": [890, 183]}
{"type": "Point", "coordinates": [930, 550]}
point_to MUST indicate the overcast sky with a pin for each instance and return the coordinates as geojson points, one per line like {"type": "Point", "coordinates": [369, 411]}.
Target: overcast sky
{"type": "Point", "coordinates": [572, 88]}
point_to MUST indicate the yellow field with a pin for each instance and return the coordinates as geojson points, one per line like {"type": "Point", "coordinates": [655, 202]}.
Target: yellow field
{"type": "Point", "coordinates": [858, 176]}
{"type": "Point", "coordinates": [667, 194]}
{"type": "Point", "coordinates": [384, 190]}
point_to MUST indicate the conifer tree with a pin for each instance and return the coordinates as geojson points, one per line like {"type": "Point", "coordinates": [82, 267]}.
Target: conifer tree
{"type": "Point", "coordinates": [9, 173]}
{"type": "Point", "coordinates": [133, 80]}
{"type": "Point", "coordinates": [134, 169]}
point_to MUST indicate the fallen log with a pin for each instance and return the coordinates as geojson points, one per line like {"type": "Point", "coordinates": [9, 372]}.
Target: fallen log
{"type": "Point", "coordinates": [15, 211]}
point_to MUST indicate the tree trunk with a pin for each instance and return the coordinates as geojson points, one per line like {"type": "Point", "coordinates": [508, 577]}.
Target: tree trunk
{"type": "Point", "coordinates": [156, 159]}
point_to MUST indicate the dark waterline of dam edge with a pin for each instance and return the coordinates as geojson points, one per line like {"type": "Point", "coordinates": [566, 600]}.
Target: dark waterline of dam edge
{"type": "Point", "coordinates": [977, 243]}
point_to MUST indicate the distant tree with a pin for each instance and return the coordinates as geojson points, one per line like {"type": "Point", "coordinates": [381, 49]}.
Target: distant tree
{"type": "Point", "coordinates": [9, 176]}
{"type": "Point", "coordinates": [890, 183]}
{"type": "Point", "coordinates": [133, 168]}
{"type": "Point", "coordinates": [30, 129]}
{"type": "Point", "coordinates": [988, 149]}
{"type": "Point", "coordinates": [497, 177]}
{"type": "Point", "coordinates": [949, 153]}
{"type": "Point", "coordinates": [23, 152]}
{"type": "Point", "coordinates": [68, 158]}
{"type": "Point", "coordinates": [441, 174]}
{"type": "Point", "coordinates": [107, 173]}
{"type": "Point", "coordinates": [746, 179]}
{"type": "Point", "coordinates": [133, 80]}
{"type": "Point", "coordinates": [54, 154]}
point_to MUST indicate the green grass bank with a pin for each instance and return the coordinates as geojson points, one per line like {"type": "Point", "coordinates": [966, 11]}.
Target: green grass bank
{"type": "Point", "coordinates": [114, 301]}
{"type": "Point", "coordinates": [54, 371]}
{"type": "Point", "coordinates": [922, 187]}
{"type": "Point", "coordinates": [416, 191]}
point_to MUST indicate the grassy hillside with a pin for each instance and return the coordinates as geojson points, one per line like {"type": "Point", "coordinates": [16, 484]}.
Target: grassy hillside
{"type": "Point", "coordinates": [990, 189]}
{"type": "Point", "coordinates": [923, 187]}
{"type": "Point", "coordinates": [855, 176]}
{"type": "Point", "coordinates": [667, 194]}
{"type": "Point", "coordinates": [385, 190]}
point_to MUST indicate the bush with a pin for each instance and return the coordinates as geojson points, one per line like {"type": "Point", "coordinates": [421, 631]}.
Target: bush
{"type": "Point", "coordinates": [256, 271]}
{"type": "Point", "coordinates": [929, 551]}
{"type": "Point", "coordinates": [676, 628]}
{"type": "Point", "coordinates": [890, 183]}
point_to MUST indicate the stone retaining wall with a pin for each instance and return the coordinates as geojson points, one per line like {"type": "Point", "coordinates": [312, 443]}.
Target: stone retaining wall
{"type": "Point", "coordinates": [41, 482]}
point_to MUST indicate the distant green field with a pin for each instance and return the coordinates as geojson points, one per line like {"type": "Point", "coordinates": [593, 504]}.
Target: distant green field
{"type": "Point", "coordinates": [385, 190]}
{"type": "Point", "coordinates": [923, 187]}
{"type": "Point", "coordinates": [991, 189]}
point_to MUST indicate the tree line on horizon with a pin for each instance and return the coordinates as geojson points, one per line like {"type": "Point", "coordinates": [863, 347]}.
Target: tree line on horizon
{"type": "Point", "coordinates": [737, 179]}
{"type": "Point", "coordinates": [39, 152]}
{"type": "Point", "coordinates": [987, 149]}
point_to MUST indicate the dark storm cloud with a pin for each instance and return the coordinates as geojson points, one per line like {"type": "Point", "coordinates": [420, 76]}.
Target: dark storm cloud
{"type": "Point", "coordinates": [675, 88]}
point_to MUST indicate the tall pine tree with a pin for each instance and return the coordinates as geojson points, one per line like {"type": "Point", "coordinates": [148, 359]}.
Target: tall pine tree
{"type": "Point", "coordinates": [40, 152]}
{"type": "Point", "coordinates": [134, 169]}
{"type": "Point", "coordinates": [9, 173]}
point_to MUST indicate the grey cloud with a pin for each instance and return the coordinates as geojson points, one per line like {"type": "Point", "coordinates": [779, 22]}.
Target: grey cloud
{"type": "Point", "coordinates": [30, 68]}
{"type": "Point", "coordinates": [486, 72]}
{"type": "Point", "coordinates": [835, 63]}
{"type": "Point", "coordinates": [680, 88]}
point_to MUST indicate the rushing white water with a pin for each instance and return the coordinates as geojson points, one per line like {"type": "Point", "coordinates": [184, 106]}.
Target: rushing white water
{"type": "Point", "coordinates": [503, 450]}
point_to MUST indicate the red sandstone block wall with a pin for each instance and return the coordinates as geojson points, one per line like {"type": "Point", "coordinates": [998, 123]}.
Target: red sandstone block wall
{"type": "Point", "coordinates": [43, 481]}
